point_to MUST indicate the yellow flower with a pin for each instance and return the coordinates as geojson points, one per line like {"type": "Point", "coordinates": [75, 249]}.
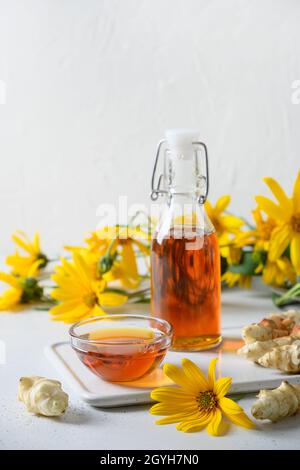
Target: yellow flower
{"type": "Point", "coordinates": [231, 279]}
{"type": "Point", "coordinates": [223, 223]}
{"type": "Point", "coordinates": [278, 272]}
{"type": "Point", "coordinates": [119, 263]}
{"type": "Point", "coordinates": [80, 293]}
{"type": "Point", "coordinates": [10, 298]}
{"type": "Point", "coordinates": [99, 241]}
{"type": "Point", "coordinates": [91, 258]}
{"type": "Point", "coordinates": [197, 402]}
{"type": "Point", "coordinates": [259, 237]}
{"type": "Point", "coordinates": [287, 215]}
{"type": "Point", "coordinates": [263, 231]}
{"type": "Point", "coordinates": [23, 289]}
{"type": "Point", "coordinates": [112, 253]}
{"type": "Point", "coordinates": [22, 263]}
{"type": "Point", "coordinates": [230, 248]}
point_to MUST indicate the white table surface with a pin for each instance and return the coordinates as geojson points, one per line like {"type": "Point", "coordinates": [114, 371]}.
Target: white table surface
{"type": "Point", "coordinates": [83, 427]}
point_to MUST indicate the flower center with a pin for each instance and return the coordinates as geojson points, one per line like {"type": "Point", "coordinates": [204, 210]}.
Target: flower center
{"type": "Point", "coordinates": [207, 400]}
{"type": "Point", "coordinates": [44, 259]}
{"type": "Point", "coordinates": [90, 300]}
{"type": "Point", "coordinates": [295, 222]}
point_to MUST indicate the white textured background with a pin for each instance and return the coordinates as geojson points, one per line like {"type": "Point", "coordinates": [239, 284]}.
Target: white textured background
{"type": "Point", "coordinates": [92, 84]}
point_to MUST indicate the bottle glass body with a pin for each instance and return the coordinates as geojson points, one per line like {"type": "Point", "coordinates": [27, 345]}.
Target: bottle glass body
{"type": "Point", "coordinates": [185, 274]}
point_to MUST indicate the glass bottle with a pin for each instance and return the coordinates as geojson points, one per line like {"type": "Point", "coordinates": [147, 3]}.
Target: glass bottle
{"type": "Point", "coordinates": [185, 260]}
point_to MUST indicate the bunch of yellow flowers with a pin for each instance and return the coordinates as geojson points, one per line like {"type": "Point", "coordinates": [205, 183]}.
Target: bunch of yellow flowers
{"type": "Point", "coordinates": [102, 273]}
{"type": "Point", "coordinates": [270, 246]}
{"type": "Point", "coordinates": [106, 270]}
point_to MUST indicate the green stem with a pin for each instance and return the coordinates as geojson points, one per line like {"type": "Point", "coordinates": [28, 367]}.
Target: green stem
{"type": "Point", "coordinates": [130, 295]}
{"type": "Point", "coordinates": [292, 293]}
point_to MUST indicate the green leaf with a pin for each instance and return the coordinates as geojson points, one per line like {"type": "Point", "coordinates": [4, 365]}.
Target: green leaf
{"type": "Point", "coordinates": [224, 265]}
{"type": "Point", "coordinates": [247, 266]}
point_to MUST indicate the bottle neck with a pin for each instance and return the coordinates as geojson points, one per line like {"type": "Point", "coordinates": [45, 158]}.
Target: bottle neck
{"type": "Point", "coordinates": [183, 199]}
{"type": "Point", "coordinates": [183, 178]}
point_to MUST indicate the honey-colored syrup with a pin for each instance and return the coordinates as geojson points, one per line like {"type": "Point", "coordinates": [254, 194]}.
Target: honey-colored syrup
{"type": "Point", "coordinates": [185, 289]}
{"type": "Point", "coordinates": [123, 354]}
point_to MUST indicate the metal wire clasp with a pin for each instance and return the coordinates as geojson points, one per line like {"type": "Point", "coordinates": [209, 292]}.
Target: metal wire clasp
{"type": "Point", "coordinates": [157, 190]}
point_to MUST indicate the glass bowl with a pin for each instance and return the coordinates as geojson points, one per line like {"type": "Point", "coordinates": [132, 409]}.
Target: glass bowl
{"type": "Point", "coordinates": [121, 348]}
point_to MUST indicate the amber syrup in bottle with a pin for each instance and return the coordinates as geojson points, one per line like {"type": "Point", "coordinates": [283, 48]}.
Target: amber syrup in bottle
{"type": "Point", "coordinates": [185, 288]}
{"type": "Point", "coordinates": [185, 259]}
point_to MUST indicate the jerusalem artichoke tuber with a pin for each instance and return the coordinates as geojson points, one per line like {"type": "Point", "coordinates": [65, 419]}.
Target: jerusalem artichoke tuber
{"type": "Point", "coordinates": [254, 351]}
{"type": "Point", "coordinates": [274, 326]}
{"type": "Point", "coordinates": [42, 396]}
{"type": "Point", "coordinates": [285, 358]}
{"type": "Point", "coordinates": [278, 403]}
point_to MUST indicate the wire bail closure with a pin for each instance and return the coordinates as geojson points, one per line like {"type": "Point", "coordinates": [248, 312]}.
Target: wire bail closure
{"type": "Point", "coordinates": [157, 190]}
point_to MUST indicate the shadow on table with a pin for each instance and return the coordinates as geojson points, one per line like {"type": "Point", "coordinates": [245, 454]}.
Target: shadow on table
{"type": "Point", "coordinates": [289, 423]}
{"type": "Point", "coordinates": [75, 416]}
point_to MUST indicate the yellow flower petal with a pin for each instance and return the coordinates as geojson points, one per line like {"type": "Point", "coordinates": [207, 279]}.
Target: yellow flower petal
{"type": "Point", "coordinates": [231, 222]}
{"type": "Point", "coordinates": [176, 418]}
{"type": "Point", "coordinates": [34, 268]}
{"type": "Point", "coordinates": [295, 252]}
{"type": "Point", "coordinates": [229, 406]}
{"type": "Point", "coordinates": [129, 260]}
{"type": "Point", "coordinates": [64, 307]}
{"type": "Point", "coordinates": [75, 314]}
{"type": "Point", "coordinates": [222, 204]}
{"type": "Point", "coordinates": [171, 394]}
{"type": "Point", "coordinates": [10, 299]}
{"type": "Point", "coordinates": [241, 419]}
{"type": "Point", "coordinates": [82, 269]}
{"type": "Point", "coordinates": [284, 202]}
{"type": "Point", "coordinates": [97, 311]}
{"type": "Point", "coordinates": [271, 209]}
{"type": "Point", "coordinates": [60, 294]}
{"type": "Point", "coordinates": [36, 242]}
{"type": "Point", "coordinates": [279, 241]}
{"type": "Point", "coordinates": [195, 424]}
{"type": "Point", "coordinates": [168, 409]}
{"type": "Point", "coordinates": [194, 374]}
{"type": "Point", "coordinates": [296, 194]}
{"type": "Point", "coordinates": [22, 244]}
{"type": "Point", "coordinates": [9, 279]}
{"type": "Point", "coordinates": [211, 376]}
{"type": "Point", "coordinates": [209, 209]}
{"type": "Point", "coordinates": [214, 426]}
{"type": "Point", "coordinates": [69, 285]}
{"type": "Point", "coordinates": [222, 386]}
{"type": "Point", "coordinates": [111, 299]}
{"type": "Point", "coordinates": [72, 275]}
{"type": "Point", "coordinates": [179, 377]}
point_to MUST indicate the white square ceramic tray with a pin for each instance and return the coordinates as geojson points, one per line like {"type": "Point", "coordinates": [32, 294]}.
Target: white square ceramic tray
{"type": "Point", "coordinates": [247, 377]}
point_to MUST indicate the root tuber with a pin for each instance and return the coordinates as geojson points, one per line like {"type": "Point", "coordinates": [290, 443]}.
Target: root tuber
{"type": "Point", "coordinates": [42, 396]}
{"type": "Point", "coordinates": [254, 351]}
{"type": "Point", "coordinates": [285, 358]}
{"type": "Point", "coordinates": [274, 326]}
{"type": "Point", "coordinates": [278, 403]}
